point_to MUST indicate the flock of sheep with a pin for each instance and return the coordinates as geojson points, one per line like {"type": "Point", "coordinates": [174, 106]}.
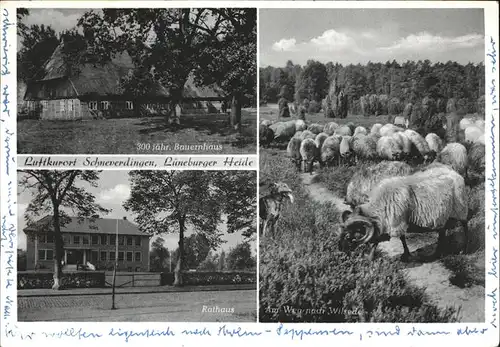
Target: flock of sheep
{"type": "Point", "coordinates": [390, 196]}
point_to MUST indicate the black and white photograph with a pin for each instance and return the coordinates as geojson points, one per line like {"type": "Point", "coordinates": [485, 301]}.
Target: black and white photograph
{"type": "Point", "coordinates": [138, 246]}
{"type": "Point", "coordinates": [137, 81]}
{"type": "Point", "coordinates": [372, 165]}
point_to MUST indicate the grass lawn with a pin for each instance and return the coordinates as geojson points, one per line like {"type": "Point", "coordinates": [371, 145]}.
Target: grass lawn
{"type": "Point", "coordinates": [138, 136]}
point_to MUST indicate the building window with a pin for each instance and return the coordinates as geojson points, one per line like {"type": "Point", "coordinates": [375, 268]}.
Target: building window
{"type": "Point", "coordinates": [45, 254]}
{"type": "Point", "coordinates": [50, 238]}
{"type": "Point", "coordinates": [104, 239]}
{"type": "Point", "coordinates": [137, 256]}
{"type": "Point", "coordinates": [45, 104]}
{"type": "Point", "coordinates": [62, 105]}
{"type": "Point", "coordinates": [76, 239]}
{"type": "Point", "coordinates": [129, 105]}
{"type": "Point", "coordinates": [94, 256]}
{"type": "Point", "coordinates": [85, 239]}
{"type": "Point", "coordinates": [112, 255]}
{"type": "Point", "coordinates": [105, 105]}
{"type": "Point", "coordinates": [130, 241]}
{"type": "Point", "coordinates": [112, 239]}
{"type": "Point", "coordinates": [71, 105]}
{"type": "Point", "coordinates": [129, 256]}
{"type": "Point", "coordinates": [94, 239]}
{"type": "Point", "coordinates": [103, 255]}
{"type": "Point", "coordinates": [66, 239]}
{"type": "Point", "coordinates": [137, 240]}
{"type": "Point", "coordinates": [93, 105]}
{"type": "Point", "coordinates": [120, 256]}
{"type": "Point", "coordinates": [121, 240]}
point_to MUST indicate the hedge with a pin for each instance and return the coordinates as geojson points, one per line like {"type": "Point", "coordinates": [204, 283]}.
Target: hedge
{"type": "Point", "coordinates": [208, 278]}
{"type": "Point", "coordinates": [45, 280]}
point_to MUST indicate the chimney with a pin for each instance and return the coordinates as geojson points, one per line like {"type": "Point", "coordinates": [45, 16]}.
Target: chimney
{"type": "Point", "coordinates": [124, 218]}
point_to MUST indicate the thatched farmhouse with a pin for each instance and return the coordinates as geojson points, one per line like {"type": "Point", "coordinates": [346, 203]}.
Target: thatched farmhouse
{"type": "Point", "coordinates": [95, 91]}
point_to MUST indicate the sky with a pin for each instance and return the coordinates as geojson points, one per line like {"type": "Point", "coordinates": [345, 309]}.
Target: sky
{"type": "Point", "coordinates": [112, 192]}
{"type": "Point", "coordinates": [360, 35]}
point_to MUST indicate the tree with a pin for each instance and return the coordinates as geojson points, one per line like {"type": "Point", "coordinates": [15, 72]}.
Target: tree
{"type": "Point", "coordinates": [221, 265]}
{"type": "Point", "coordinates": [54, 190]}
{"type": "Point", "coordinates": [210, 263]}
{"type": "Point", "coordinates": [38, 44]}
{"type": "Point", "coordinates": [159, 255]}
{"type": "Point", "coordinates": [172, 201]}
{"type": "Point", "coordinates": [21, 260]}
{"type": "Point", "coordinates": [196, 248]}
{"type": "Point", "coordinates": [240, 257]}
{"type": "Point", "coordinates": [167, 45]}
{"type": "Point", "coordinates": [312, 83]}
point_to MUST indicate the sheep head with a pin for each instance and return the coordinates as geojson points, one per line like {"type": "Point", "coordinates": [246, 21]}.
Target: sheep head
{"type": "Point", "coordinates": [355, 230]}
{"type": "Point", "coordinates": [281, 189]}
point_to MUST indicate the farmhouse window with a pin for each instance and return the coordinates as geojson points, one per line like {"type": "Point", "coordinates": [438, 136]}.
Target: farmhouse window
{"type": "Point", "coordinates": [129, 105]}
{"type": "Point", "coordinates": [104, 239]}
{"type": "Point", "coordinates": [45, 104]}
{"type": "Point", "coordinates": [120, 256]}
{"type": "Point", "coordinates": [71, 105]}
{"type": "Point", "coordinates": [112, 239]}
{"type": "Point", "coordinates": [62, 105]}
{"type": "Point", "coordinates": [76, 239]}
{"type": "Point", "coordinates": [130, 241]}
{"type": "Point", "coordinates": [121, 240]}
{"type": "Point", "coordinates": [95, 239]}
{"type": "Point", "coordinates": [93, 105]}
{"type": "Point", "coordinates": [85, 239]}
{"type": "Point", "coordinates": [137, 256]}
{"type": "Point", "coordinates": [45, 254]}
{"type": "Point", "coordinates": [94, 256]}
{"type": "Point", "coordinates": [104, 105]}
{"type": "Point", "coordinates": [112, 255]}
{"type": "Point", "coordinates": [129, 256]}
{"type": "Point", "coordinates": [103, 255]}
{"type": "Point", "coordinates": [137, 240]}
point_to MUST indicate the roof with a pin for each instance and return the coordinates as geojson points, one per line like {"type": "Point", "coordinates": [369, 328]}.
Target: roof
{"type": "Point", "coordinates": [105, 79]}
{"type": "Point", "coordinates": [97, 226]}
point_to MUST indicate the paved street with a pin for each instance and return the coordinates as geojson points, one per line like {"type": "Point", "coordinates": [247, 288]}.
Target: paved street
{"type": "Point", "coordinates": [167, 307]}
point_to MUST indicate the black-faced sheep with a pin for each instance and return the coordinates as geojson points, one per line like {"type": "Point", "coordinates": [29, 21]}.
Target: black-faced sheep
{"type": "Point", "coordinates": [330, 151]}
{"type": "Point", "coordinates": [388, 148]}
{"type": "Point", "coordinates": [293, 151]}
{"type": "Point", "coordinates": [363, 181]}
{"type": "Point", "coordinates": [308, 152]}
{"type": "Point", "coordinates": [455, 156]}
{"type": "Point", "coordinates": [431, 200]}
{"type": "Point", "coordinates": [266, 135]}
{"type": "Point", "coordinates": [270, 205]}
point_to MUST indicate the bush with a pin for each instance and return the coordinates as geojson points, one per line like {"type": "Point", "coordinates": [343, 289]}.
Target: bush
{"type": "Point", "coordinates": [314, 107]}
{"type": "Point", "coordinates": [39, 280]}
{"type": "Point", "coordinates": [199, 278]}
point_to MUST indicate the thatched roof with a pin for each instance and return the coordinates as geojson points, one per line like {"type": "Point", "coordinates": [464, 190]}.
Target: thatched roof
{"type": "Point", "coordinates": [105, 79]}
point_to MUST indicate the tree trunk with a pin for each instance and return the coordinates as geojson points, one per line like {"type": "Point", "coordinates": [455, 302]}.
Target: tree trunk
{"type": "Point", "coordinates": [236, 113]}
{"type": "Point", "coordinates": [180, 262]}
{"type": "Point", "coordinates": [58, 251]}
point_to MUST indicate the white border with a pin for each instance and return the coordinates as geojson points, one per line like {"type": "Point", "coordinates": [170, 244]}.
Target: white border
{"type": "Point", "coordinates": [22, 333]}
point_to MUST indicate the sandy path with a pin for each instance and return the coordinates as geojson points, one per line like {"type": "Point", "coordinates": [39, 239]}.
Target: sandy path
{"type": "Point", "coordinates": [433, 276]}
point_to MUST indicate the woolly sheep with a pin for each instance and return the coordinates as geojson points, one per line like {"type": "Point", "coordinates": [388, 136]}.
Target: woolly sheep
{"type": "Point", "coordinates": [330, 128]}
{"type": "Point", "coordinates": [266, 122]}
{"type": "Point", "coordinates": [435, 143]}
{"type": "Point", "coordinates": [388, 148]}
{"type": "Point", "coordinates": [315, 128]}
{"type": "Point", "coordinates": [422, 147]}
{"type": "Point", "coordinates": [475, 160]}
{"type": "Point", "coordinates": [364, 180]}
{"type": "Point", "coordinates": [351, 126]}
{"type": "Point", "coordinates": [283, 131]}
{"type": "Point", "coordinates": [345, 147]}
{"type": "Point", "coordinates": [389, 129]}
{"type": "Point", "coordinates": [455, 156]}
{"type": "Point", "coordinates": [465, 123]}
{"type": "Point", "coordinates": [472, 133]}
{"type": "Point", "coordinates": [364, 147]}
{"type": "Point", "coordinates": [298, 134]}
{"type": "Point", "coordinates": [308, 152]}
{"type": "Point", "coordinates": [480, 139]}
{"type": "Point", "coordinates": [403, 142]}
{"type": "Point", "coordinates": [266, 135]}
{"type": "Point", "coordinates": [330, 151]}
{"type": "Point", "coordinates": [480, 124]}
{"type": "Point", "coordinates": [360, 130]}
{"type": "Point", "coordinates": [300, 125]}
{"type": "Point", "coordinates": [343, 131]}
{"type": "Point", "coordinates": [375, 129]}
{"type": "Point", "coordinates": [307, 134]}
{"type": "Point", "coordinates": [401, 121]}
{"type": "Point", "coordinates": [320, 139]}
{"type": "Point", "coordinates": [293, 151]}
{"type": "Point", "coordinates": [431, 200]}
